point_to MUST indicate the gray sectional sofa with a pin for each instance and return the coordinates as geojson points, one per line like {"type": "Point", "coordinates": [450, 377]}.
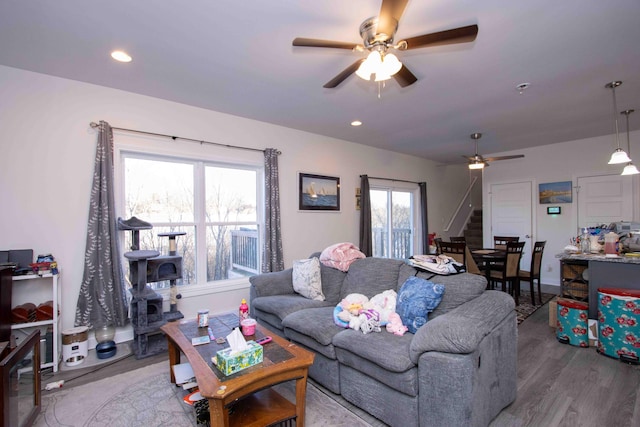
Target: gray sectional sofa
{"type": "Point", "coordinates": [459, 369]}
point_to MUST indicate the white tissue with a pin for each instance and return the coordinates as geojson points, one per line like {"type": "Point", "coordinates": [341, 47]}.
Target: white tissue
{"type": "Point", "coordinates": [236, 341]}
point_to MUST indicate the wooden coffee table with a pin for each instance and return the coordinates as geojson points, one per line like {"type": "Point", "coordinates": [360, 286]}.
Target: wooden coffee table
{"type": "Point", "coordinates": [246, 397]}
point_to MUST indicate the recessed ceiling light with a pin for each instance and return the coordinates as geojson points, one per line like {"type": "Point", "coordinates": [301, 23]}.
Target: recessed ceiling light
{"type": "Point", "coordinates": [356, 123]}
{"type": "Point", "coordinates": [120, 56]}
{"type": "Point", "coordinates": [522, 87]}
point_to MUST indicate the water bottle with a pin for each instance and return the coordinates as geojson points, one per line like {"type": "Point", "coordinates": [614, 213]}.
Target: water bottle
{"type": "Point", "coordinates": [243, 311]}
{"type": "Point", "coordinates": [585, 241]}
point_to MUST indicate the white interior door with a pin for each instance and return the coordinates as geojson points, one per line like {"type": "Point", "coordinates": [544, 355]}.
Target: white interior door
{"type": "Point", "coordinates": [604, 199]}
{"type": "Point", "coordinates": [511, 213]}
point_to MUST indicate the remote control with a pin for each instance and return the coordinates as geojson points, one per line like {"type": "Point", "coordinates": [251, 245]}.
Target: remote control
{"type": "Point", "coordinates": [264, 340]}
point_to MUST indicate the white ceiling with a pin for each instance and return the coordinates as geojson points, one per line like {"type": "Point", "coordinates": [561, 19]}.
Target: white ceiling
{"type": "Point", "coordinates": [235, 56]}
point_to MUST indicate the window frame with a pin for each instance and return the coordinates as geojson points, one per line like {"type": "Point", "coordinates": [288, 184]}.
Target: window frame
{"type": "Point", "coordinates": [200, 160]}
{"type": "Point", "coordinates": [414, 190]}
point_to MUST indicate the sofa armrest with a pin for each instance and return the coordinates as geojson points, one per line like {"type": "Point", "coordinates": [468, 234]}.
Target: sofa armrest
{"type": "Point", "coordinates": [274, 283]}
{"type": "Point", "coordinates": [461, 330]}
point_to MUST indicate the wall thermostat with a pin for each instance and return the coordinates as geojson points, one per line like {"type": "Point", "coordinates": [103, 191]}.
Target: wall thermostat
{"type": "Point", "coordinates": [554, 210]}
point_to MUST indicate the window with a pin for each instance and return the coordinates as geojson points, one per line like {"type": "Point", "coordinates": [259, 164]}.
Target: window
{"type": "Point", "coordinates": [215, 204]}
{"type": "Point", "coordinates": [392, 222]}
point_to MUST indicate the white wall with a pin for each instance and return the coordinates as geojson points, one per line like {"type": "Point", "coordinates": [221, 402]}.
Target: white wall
{"type": "Point", "coordinates": [566, 161]}
{"type": "Point", "coordinates": [48, 149]}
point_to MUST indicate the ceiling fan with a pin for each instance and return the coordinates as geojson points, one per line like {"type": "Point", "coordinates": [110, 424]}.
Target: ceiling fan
{"type": "Point", "coordinates": [478, 162]}
{"type": "Point", "coordinates": [378, 39]}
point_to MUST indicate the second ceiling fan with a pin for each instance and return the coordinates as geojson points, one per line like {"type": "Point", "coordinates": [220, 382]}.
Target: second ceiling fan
{"type": "Point", "coordinates": [478, 162]}
{"type": "Point", "coordinates": [378, 39]}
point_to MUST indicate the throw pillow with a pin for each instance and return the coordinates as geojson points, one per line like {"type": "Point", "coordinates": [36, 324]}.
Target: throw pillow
{"type": "Point", "coordinates": [417, 297]}
{"type": "Point", "coordinates": [306, 278]}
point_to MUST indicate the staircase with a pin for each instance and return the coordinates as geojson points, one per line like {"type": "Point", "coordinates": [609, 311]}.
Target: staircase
{"type": "Point", "coordinates": [473, 231]}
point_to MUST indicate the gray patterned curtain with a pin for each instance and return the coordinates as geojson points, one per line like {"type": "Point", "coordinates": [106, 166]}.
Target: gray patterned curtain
{"type": "Point", "coordinates": [103, 298]}
{"type": "Point", "coordinates": [272, 255]}
{"type": "Point", "coordinates": [366, 245]}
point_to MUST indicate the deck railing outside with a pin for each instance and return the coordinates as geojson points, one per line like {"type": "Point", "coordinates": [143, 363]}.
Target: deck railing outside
{"type": "Point", "coordinates": [244, 251]}
{"type": "Point", "coordinates": [400, 243]}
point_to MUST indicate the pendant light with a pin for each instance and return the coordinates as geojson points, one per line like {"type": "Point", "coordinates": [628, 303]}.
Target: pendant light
{"type": "Point", "coordinates": [618, 156]}
{"type": "Point", "coordinates": [630, 169]}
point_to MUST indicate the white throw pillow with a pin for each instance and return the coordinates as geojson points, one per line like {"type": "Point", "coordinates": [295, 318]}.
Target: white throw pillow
{"type": "Point", "coordinates": [306, 278]}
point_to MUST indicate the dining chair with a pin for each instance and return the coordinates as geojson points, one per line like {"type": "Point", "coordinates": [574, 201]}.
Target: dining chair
{"type": "Point", "coordinates": [472, 266]}
{"type": "Point", "coordinates": [458, 239]}
{"type": "Point", "coordinates": [509, 276]}
{"type": "Point", "coordinates": [500, 242]}
{"type": "Point", "coordinates": [456, 250]}
{"type": "Point", "coordinates": [534, 271]}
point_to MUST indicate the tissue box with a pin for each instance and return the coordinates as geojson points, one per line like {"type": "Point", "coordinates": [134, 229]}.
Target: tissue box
{"type": "Point", "coordinates": [229, 363]}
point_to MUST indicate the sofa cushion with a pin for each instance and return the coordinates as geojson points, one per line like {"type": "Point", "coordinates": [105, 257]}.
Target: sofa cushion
{"type": "Point", "coordinates": [283, 305]}
{"type": "Point", "coordinates": [316, 323]}
{"type": "Point", "coordinates": [417, 297]}
{"type": "Point", "coordinates": [459, 288]}
{"type": "Point", "coordinates": [371, 276]}
{"type": "Point", "coordinates": [386, 350]}
{"type": "Point", "coordinates": [306, 278]}
{"type": "Point", "coordinates": [332, 280]}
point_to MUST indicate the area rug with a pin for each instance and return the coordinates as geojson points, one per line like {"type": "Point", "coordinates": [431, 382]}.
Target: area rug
{"type": "Point", "coordinates": [526, 309]}
{"type": "Point", "coordinates": [145, 397]}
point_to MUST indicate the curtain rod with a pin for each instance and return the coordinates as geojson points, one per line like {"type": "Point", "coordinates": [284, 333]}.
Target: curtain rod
{"type": "Point", "coordinates": [390, 179]}
{"type": "Point", "coordinates": [95, 125]}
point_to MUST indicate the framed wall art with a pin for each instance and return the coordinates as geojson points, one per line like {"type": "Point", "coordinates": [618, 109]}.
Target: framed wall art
{"type": "Point", "coordinates": [555, 192]}
{"type": "Point", "coordinates": [318, 192]}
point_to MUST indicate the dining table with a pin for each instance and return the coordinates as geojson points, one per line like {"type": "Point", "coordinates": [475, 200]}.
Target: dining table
{"type": "Point", "coordinates": [486, 257]}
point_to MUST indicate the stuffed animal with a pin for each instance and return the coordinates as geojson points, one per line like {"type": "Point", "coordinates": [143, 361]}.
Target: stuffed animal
{"type": "Point", "coordinates": [395, 325]}
{"type": "Point", "coordinates": [385, 304]}
{"type": "Point", "coordinates": [357, 312]}
{"type": "Point", "coordinates": [348, 308]}
{"type": "Point", "coordinates": [367, 321]}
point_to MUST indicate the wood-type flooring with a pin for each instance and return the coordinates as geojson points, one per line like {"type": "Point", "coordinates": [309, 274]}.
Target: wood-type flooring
{"type": "Point", "coordinates": [563, 385]}
{"type": "Point", "coordinates": [558, 384]}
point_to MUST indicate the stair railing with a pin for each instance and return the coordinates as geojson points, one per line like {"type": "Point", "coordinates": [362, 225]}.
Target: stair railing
{"type": "Point", "coordinates": [463, 212]}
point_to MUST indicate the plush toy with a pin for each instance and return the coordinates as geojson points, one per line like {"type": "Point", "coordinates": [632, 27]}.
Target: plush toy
{"type": "Point", "coordinates": [360, 313]}
{"type": "Point", "coordinates": [395, 325]}
{"type": "Point", "coordinates": [385, 304]}
{"type": "Point", "coordinates": [367, 321]}
{"type": "Point", "coordinates": [348, 308]}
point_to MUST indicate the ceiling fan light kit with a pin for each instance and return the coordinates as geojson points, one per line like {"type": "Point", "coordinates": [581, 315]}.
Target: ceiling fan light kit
{"type": "Point", "coordinates": [382, 65]}
{"type": "Point", "coordinates": [378, 38]}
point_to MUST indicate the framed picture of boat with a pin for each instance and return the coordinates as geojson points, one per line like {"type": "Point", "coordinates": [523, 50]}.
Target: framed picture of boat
{"type": "Point", "coordinates": [318, 192]}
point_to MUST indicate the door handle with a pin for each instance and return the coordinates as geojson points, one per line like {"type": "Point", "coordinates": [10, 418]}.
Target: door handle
{"type": "Point", "coordinates": [527, 236]}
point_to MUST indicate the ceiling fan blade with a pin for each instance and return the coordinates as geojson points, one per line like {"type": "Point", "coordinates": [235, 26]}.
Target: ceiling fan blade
{"type": "Point", "coordinates": [404, 77]}
{"type": "Point", "coordinates": [493, 159]}
{"type": "Point", "coordinates": [441, 38]}
{"type": "Point", "coordinates": [301, 41]}
{"type": "Point", "coordinates": [475, 158]}
{"type": "Point", "coordinates": [343, 75]}
{"type": "Point", "coordinates": [390, 13]}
